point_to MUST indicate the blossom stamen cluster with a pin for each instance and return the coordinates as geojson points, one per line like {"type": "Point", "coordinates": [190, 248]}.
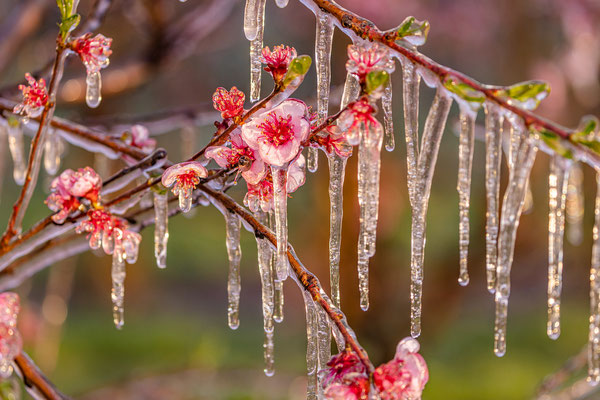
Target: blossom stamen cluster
{"type": "Point", "coordinates": [93, 51]}
{"type": "Point", "coordinates": [35, 97]}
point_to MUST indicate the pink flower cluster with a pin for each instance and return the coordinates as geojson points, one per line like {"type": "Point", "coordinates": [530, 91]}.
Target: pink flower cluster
{"type": "Point", "coordinates": [11, 343]}
{"type": "Point", "coordinates": [229, 103]}
{"type": "Point", "coordinates": [70, 188]}
{"type": "Point", "coordinates": [403, 378]}
{"type": "Point", "coordinates": [35, 97]}
{"type": "Point", "coordinates": [367, 57]}
{"type": "Point", "coordinates": [93, 51]}
{"type": "Point", "coordinates": [358, 113]}
{"type": "Point", "coordinates": [184, 177]}
{"type": "Point", "coordinates": [111, 233]}
{"type": "Point", "coordinates": [278, 60]}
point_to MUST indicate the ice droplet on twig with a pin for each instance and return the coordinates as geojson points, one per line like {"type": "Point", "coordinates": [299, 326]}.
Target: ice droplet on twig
{"type": "Point", "coordinates": [234, 253]}
{"type": "Point", "coordinates": [311, 345]}
{"type": "Point", "coordinates": [17, 151]}
{"type": "Point", "coordinates": [369, 162]}
{"type": "Point", "coordinates": [575, 205]}
{"type": "Point", "coordinates": [557, 193]}
{"type": "Point", "coordinates": [388, 121]}
{"type": "Point", "coordinates": [256, 45]}
{"type": "Point", "coordinates": [161, 227]}
{"type": "Point", "coordinates": [421, 189]}
{"type": "Point", "coordinates": [281, 228]}
{"type": "Point", "coordinates": [493, 158]}
{"type": "Point", "coordinates": [465, 164]}
{"type": "Point", "coordinates": [52, 152]}
{"type": "Point", "coordinates": [93, 92]}
{"type": "Point", "coordinates": [281, 3]}
{"type": "Point", "coordinates": [511, 213]}
{"type": "Point", "coordinates": [118, 286]}
{"type": "Point", "coordinates": [594, 334]}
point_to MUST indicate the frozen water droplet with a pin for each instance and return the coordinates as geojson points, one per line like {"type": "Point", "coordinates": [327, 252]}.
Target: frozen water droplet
{"type": "Point", "coordinates": [281, 228]}
{"type": "Point", "coordinates": [118, 286]}
{"type": "Point", "coordinates": [281, 3]}
{"type": "Point", "coordinates": [93, 93]}
{"type": "Point", "coordinates": [161, 228]}
{"type": "Point", "coordinates": [17, 151]}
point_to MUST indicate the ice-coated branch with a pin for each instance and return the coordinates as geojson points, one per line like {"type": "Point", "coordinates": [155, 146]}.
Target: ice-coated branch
{"type": "Point", "coordinates": [354, 25]}
{"type": "Point", "coordinates": [35, 380]}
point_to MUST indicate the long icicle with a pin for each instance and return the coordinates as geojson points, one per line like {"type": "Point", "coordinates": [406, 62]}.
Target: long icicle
{"type": "Point", "coordinates": [324, 343]}
{"type": "Point", "coordinates": [234, 253]}
{"type": "Point", "coordinates": [410, 93]}
{"type": "Point", "coordinates": [312, 346]}
{"type": "Point", "coordinates": [278, 300]}
{"type": "Point", "coordinates": [281, 229]}
{"type": "Point", "coordinates": [117, 293]}
{"type": "Point", "coordinates": [388, 121]}
{"type": "Point", "coordinates": [369, 162]}
{"type": "Point", "coordinates": [557, 182]}
{"type": "Point", "coordinates": [52, 152]}
{"type": "Point", "coordinates": [493, 159]}
{"type": "Point", "coordinates": [594, 335]}
{"type": "Point", "coordinates": [161, 227]}
{"type": "Point", "coordinates": [575, 205]}
{"type": "Point", "coordinates": [251, 18]}
{"type": "Point", "coordinates": [266, 278]}
{"type": "Point", "coordinates": [256, 45]}
{"type": "Point", "coordinates": [511, 213]}
{"type": "Point", "coordinates": [465, 165]}
{"type": "Point", "coordinates": [430, 145]}
{"type": "Point", "coordinates": [17, 150]}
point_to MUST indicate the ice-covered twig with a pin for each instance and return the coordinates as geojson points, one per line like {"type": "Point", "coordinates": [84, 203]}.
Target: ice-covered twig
{"type": "Point", "coordinates": [34, 379]}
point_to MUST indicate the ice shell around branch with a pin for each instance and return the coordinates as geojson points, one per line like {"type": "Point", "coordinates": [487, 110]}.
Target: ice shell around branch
{"type": "Point", "coordinates": [184, 177]}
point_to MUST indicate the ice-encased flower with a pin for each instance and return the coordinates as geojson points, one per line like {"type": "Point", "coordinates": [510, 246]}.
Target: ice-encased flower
{"type": "Point", "coordinates": [99, 224]}
{"type": "Point", "coordinates": [35, 97]}
{"type": "Point", "coordinates": [229, 103]}
{"type": "Point", "coordinates": [260, 195]}
{"type": "Point", "coordinates": [139, 137]}
{"type": "Point", "coordinates": [278, 60]}
{"type": "Point", "coordinates": [404, 377]}
{"type": "Point", "coordinates": [69, 188]}
{"type": "Point", "coordinates": [250, 164]}
{"type": "Point", "coordinates": [345, 378]}
{"type": "Point", "coordinates": [278, 133]}
{"type": "Point", "coordinates": [358, 113]}
{"type": "Point", "coordinates": [335, 142]}
{"type": "Point", "coordinates": [184, 177]}
{"type": "Point", "coordinates": [93, 51]}
{"type": "Point", "coordinates": [366, 57]}
{"type": "Point", "coordinates": [11, 343]}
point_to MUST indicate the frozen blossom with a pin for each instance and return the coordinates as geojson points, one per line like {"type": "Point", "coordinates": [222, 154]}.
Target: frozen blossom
{"type": "Point", "coordinates": [352, 120]}
{"type": "Point", "coordinates": [229, 103]}
{"type": "Point", "coordinates": [367, 57]}
{"type": "Point", "coordinates": [93, 51]}
{"type": "Point", "coordinates": [11, 343]}
{"type": "Point", "coordinates": [334, 143]}
{"type": "Point", "coordinates": [248, 161]}
{"type": "Point", "coordinates": [184, 177]}
{"type": "Point", "coordinates": [345, 378]}
{"type": "Point", "coordinates": [70, 188]}
{"type": "Point", "coordinates": [35, 97]}
{"type": "Point", "coordinates": [278, 60]}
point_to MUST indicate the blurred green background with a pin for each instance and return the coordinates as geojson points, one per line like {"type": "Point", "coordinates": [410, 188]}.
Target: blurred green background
{"type": "Point", "coordinates": [176, 343]}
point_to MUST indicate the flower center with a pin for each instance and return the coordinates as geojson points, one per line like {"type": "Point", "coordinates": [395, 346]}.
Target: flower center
{"type": "Point", "coordinates": [276, 130]}
{"type": "Point", "coordinates": [188, 179]}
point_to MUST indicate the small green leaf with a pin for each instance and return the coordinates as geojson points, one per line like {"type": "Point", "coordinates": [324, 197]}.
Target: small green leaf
{"type": "Point", "coordinates": [553, 141]}
{"type": "Point", "coordinates": [298, 67]}
{"type": "Point", "coordinates": [586, 129]}
{"type": "Point", "coordinates": [592, 144]}
{"type": "Point", "coordinates": [464, 91]}
{"type": "Point", "coordinates": [528, 94]}
{"type": "Point", "coordinates": [376, 80]}
{"type": "Point", "coordinates": [68, 24]}
{"type": "Point", "coordinates": [159, 188]}
{"type": "Point", "coordinates": [413, 31]}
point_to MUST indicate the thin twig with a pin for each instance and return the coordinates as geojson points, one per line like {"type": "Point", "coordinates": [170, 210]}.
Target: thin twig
{"type": "Point", "coordinates": [35, 379]}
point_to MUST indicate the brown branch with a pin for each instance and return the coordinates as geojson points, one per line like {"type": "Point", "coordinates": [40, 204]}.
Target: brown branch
{"type": "Point", "coordinates": [35, 379]}
{"type": "Point", "coordinates": [367, 30]}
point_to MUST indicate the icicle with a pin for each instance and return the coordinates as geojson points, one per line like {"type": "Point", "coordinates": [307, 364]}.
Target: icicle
{"type": "Point", "coordinates": [324, 339]}
{"type": "Point", "coordinates": [511, 213]}
{"type": "Point", "coordinates": [281, 3]}
{"type": "Point", "coordinates": [278, 298]}
{"type": "Point", "coordinates": [493, 158]}
{"type": "Point", "coordinates": [281, 229]}
{"type": "Point", "coordinates": [234, 253]}
{"type": "Point", "coordinates": [411, 81]}
{"type": "Point", "coordinates": [52, 152]}
{"type": "Point", "coordinates": [594, 335]}
{"type": "Point", "coordinates": [3, 140]}
{"type": "Point", "coordinates": [557, 182]}
{"type": "Point", "coordinates": [93, 93]}
{"type": "Point", "coordinates": [17, 150]}
{"type": "Point", "coordinates": [575, 205]}
{"type": "Point", "coordinates": [337, 169]}
{"type": "Point", "coordinates": [422, 169]}
{"type": "Point", "coordinates": [312, 346]}
{"type": "Point", "coordinates": [256, 46]}
{"type": "Point", "coordinates": [118, 286]}
{"type": "Point", "coordinates": [369, 162]}
{"type": "Point", "coordinates": [264, 259]}
{"type": "Point", "coordinates": [251, 18]}
{"type": "Point", "coordinates": [161, 228]}
{"type": "Point", "coordinates": [465, 164]}
{"type": "Point", "coordinates": [386, 104]}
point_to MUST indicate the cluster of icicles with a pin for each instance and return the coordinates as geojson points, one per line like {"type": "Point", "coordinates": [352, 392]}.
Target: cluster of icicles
{"type": "Point", "coordinates": [520, 148]}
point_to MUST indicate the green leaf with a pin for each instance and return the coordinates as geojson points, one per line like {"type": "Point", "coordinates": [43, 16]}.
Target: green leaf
{"type": "Point", "coordinates": [554, 142]}
{"type": "Point", "coordinates": [376, 80]}
{"type": "Point", "coordinates": [529, 93]}
{"type": "Point", "coordinates": [68, 24]}
{"type": "Point", "coordinates": [298, 67]}
{"type": "Point", "coordinates": [586, 129]}
{"type": "Point", "coordinates": [592, 144]}
{"type": "Point", "coordinates": [413, 31]}
{"type": "Point", "coordinates": [464, 91]}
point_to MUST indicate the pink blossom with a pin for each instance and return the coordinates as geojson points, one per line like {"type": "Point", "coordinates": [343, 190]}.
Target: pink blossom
{"type": "Point", "coordinates": [359, 112]}
{"type": "Point", "coordinates": [335, 142]}
{"type": "Point", "coordinates": [35, 97]}
{"type": "Point", "coordinates": [11, 343]}
{"type": "Point", "coordinates": [93, 51]}
{"type": "Point", "coordinates": [71, 186]}
{"type": "Point", "coordinates": [138, 137]}
{"type": "Point", "coordinates": [345, 378]}
{"type": "Point", "coordinates": [239, 154]}
{"type": "Point", "coordinates": [368, 57]}
{"type": "Point", "coordinates": [260, 195]}
{"type": "Point", "coordinates": [99, 224]}
{"type": "Point", "coordinates": [352, 387]}
{"type": "Point", "coordinates": [184, 177]}
{"type": "Point", "coordinates": [404, 377]}
{"type": "Point", "coordinates": [278, 60]}
{"type": "Point", "coordinates": [229, 103]}
{"type": "Point", "coordinates": [277, 134]}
